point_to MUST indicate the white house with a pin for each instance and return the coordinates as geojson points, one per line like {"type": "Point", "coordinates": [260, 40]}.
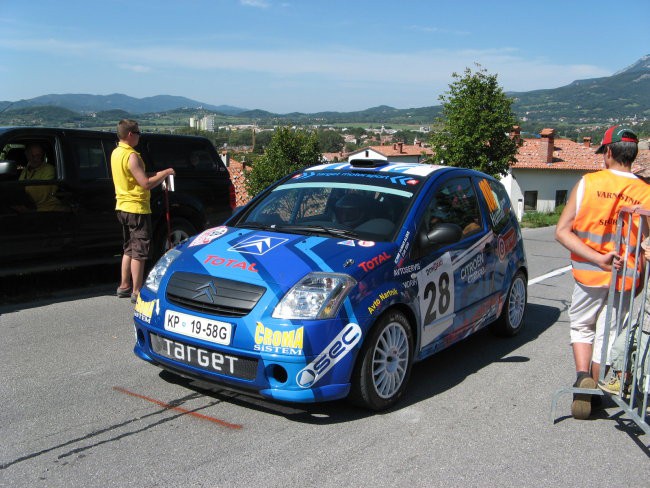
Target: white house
{"type": "Point", "coordinates": [396, 152]}
{"type": "Point", "coordinates": [548, 168]}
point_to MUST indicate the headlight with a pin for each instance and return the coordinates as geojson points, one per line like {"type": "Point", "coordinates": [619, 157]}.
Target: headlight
{"type": "Point", "coordinates": [160, 268]}
{"type": "Point", "coordinates": [316, 296]}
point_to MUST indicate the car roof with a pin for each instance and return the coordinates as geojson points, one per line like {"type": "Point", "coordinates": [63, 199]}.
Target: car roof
{"type": "Point", "coordinates": [420, 170]}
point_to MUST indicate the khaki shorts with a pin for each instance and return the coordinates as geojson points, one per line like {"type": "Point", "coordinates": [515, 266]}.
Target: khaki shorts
{"type": "Point", "coordinates": [136, 232]}
{"type": "Point", "coordinates": [588, 313]}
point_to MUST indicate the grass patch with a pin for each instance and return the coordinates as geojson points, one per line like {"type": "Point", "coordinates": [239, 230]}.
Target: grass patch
{"type": "Point", "coordinates": [541, 219]}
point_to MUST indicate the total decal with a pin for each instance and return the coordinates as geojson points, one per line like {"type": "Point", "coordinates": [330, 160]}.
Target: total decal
{"type": "Point", "coordinates": [144, 310]}
{"type": "Point", "coordinates": [288, 342]}
{"type": "Point", "coordinates": [336, 350]}
{"type": "Point", "coordinates": [208, 235]}
{"type": "Point", "coordinates": [375, 261]}
{"type": "Point", "coordinates": [215, 260]}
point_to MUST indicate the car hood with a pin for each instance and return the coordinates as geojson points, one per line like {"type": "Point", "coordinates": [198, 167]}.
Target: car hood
{"type": "Point", "coordinates": [261, 257]}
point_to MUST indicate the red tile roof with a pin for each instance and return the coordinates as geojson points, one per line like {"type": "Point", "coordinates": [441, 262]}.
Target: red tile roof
{"type": "Point", "coordinates": [567, 154]}
{"type": "Point", "coordinates": [394, 150]}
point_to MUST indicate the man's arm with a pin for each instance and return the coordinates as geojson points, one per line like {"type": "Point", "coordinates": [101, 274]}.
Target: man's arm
{"type": "Point", "coordinates": [147, 182]}
{"type": "Point", "coordinates": [564, 235]}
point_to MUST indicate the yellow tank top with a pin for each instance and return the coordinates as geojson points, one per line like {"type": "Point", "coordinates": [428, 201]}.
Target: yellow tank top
{"type": "Point", "coordinates": [129, 195]}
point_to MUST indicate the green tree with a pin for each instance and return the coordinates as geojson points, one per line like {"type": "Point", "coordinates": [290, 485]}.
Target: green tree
{"type": "Point", "coordinates": [262, 140]}
{"type": "Point", "coordinates": [287, 152]}
{"type": "Point", "coordinates": [405, 136]}
{"type": "Point", "coordinates": [476, 120]}
{"type": "Point", "coordinates": [330, 141]}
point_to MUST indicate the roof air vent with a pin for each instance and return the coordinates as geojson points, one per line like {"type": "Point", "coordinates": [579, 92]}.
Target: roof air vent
{"type": "Point", "coordinates": [368, 163]}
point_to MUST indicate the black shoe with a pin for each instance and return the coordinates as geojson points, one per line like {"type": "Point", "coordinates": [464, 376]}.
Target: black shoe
{"type": "Point", "coordinates": [581, 406]}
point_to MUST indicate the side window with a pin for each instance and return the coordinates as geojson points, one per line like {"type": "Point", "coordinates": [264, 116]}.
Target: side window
{"type": "Point", "coordinates": [497, 201]}
{"type": "Point", "coordinates": [455, 202]}
{"type": "Point", "coordinates": [43, 149]}
{"type": "Point", "coordinates": [90, 156]}
{"type": "Point", "coordinates": [33, 162]}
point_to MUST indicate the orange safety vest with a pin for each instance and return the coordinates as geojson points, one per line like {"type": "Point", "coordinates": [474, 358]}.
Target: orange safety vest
{"type": "Point", "coordinates": [605, 193]}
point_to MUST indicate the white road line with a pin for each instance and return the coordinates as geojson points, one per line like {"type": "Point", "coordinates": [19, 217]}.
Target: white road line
{"type": "Point", "coordinates": [557, 272]}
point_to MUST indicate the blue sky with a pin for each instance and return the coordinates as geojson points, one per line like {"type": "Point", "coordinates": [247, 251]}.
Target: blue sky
{"type": "Point", "coordinates": [309, 55]}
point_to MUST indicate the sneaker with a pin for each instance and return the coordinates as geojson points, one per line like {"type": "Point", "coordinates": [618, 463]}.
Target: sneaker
{"type": "Point", "coordinates": [612, 386]}
{"type": "Point", "coordinates": [581, 406]}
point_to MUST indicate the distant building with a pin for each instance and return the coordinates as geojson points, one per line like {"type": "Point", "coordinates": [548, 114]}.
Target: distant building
{"type": "Point", "coordinates": [548, 168]}
{"type": "Point", "coordinates": [398, 152]}
{"type": "Point", "coordinates": [204, 123]}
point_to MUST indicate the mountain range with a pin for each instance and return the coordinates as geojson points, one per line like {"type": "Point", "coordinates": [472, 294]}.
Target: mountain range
{"type": "Point", "coordinates": [624, 95]}
{"type": "Point", "coordinates": [85, 103]}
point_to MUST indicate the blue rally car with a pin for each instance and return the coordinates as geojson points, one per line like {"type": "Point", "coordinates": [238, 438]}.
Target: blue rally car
{"type": "Point", "coordinates": [333, 281]}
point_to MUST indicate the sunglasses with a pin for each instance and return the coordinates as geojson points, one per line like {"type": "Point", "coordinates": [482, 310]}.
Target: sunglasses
{"type": "Point", "coordinates": [136, 132]}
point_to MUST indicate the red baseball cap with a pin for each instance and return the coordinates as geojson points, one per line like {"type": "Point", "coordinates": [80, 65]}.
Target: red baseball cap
{"type": "Point", "coordinates": [617, 133]}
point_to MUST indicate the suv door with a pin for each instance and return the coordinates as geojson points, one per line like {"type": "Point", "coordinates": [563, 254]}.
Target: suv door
{"type": "Point", "coordinates": [27, 231]}
{"type": "Point", "coordinates": [89, 190]}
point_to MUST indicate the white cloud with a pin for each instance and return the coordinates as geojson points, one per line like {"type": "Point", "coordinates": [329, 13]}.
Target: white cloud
{"type": "Point", "coordinates": [136, 68]}
{"type": "Point", "coordinates": [255, 3]}
{"type": "Point", "coordinates": [428, 70]}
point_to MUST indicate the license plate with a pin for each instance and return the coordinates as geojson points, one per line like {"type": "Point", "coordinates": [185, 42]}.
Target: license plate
{"type": "Point", "coordinates": [198, 327]}
{"type": "Point", "coordinates": [208, 360]}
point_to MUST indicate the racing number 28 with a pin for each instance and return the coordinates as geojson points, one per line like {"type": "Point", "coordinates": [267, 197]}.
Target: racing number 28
{"type": "Point", "coordinates": [438, 296]}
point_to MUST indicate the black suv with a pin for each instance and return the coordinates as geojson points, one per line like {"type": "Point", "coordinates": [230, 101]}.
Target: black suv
{"type": "Point", "coordinates": [84, 229]}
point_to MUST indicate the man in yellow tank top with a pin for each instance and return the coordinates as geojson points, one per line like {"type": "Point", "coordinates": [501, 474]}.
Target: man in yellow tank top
{"type": "Point", "coordinates": [587, 228]}
{"type": "Point", "coordinates": [132, 193]}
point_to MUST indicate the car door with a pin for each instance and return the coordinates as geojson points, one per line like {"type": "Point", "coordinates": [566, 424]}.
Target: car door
{"type": "Point", "coordinates": [500, 214]}
{"type": "Point", "coordinates": [89, 190]}
{"type": "Point", "coordinates": [29, 233]}
{"type": "Point", "coordinates": [454, 279]}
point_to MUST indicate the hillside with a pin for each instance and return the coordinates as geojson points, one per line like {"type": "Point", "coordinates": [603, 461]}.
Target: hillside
{"type": "Point", "coordinates": [623, 96]}
{"type": "Point", "coordinates": [85, 103]}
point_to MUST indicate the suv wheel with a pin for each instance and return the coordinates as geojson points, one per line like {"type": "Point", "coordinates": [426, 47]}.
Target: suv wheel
{"type": "Point", "coordinates": [180, 229]}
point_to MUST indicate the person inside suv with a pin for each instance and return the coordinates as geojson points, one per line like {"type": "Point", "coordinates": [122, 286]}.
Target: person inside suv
{"type": "Point", "coordinates": [38, 169]}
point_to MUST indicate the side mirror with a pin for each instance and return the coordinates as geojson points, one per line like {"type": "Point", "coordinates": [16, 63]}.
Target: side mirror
{"type": "Point", "coordinates": [8, 170]}
{"type": "Point", "coordinates": [440, 235]}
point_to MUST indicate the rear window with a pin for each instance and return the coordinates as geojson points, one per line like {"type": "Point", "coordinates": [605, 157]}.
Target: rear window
{"type": "Point", "coordinates": [185, 156]}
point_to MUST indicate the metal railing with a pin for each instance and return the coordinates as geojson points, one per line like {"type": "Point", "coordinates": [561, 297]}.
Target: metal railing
{"type": "Point", "coordinates": [630, 342]}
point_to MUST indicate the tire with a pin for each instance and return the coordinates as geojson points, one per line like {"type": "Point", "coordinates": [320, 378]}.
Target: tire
{"type": "Point", "coordinates": [384, 363]}
{"type": "Point", "coordinates": [180, 229]}
{"type": "Point", "coordinates": [511, 320]}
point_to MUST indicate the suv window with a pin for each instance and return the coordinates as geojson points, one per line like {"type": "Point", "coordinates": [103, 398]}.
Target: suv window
{"type": "Point", "coordinates": [91, 158]}
{"type": "Point", "coordinates": [184, 156]}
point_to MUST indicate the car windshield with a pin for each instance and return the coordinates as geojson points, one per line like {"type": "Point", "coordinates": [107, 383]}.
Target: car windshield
{"type": "Point", "coordinates": [338, 209]}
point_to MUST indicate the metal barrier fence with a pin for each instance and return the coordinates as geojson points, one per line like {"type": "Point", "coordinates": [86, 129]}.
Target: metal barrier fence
{"type": "Point", "coordinates": [626, 336]}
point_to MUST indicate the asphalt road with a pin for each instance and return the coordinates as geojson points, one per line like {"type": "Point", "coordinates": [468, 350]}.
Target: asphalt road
{"type": "Point", "coordinates": [80, 410]}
